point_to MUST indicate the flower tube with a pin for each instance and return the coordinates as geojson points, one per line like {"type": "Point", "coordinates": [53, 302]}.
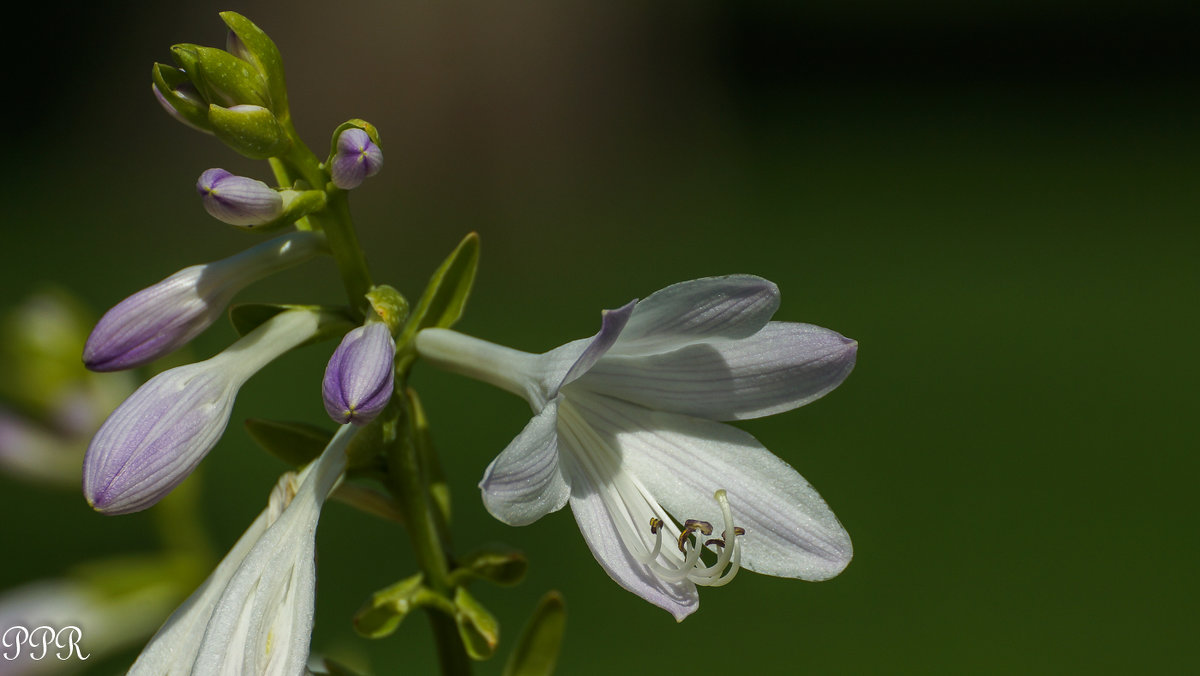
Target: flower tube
{"type": "Point", "coordinates": [157, 436]}
{"type": "Point", "coordinates": [626, 431]}
{"type": "Point", "coordinates": [254, 613]}
{"type": "Point", "coordinates": [162, 318]}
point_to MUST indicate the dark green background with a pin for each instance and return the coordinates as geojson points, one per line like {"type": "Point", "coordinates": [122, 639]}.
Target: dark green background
{"type": "Point", "coordinates": [997, 200]}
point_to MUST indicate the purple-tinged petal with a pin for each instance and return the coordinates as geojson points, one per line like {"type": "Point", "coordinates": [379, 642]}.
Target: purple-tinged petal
{"type": "Point", "coordinates": [734, 306]}
{"type": "Point", "coordinates": [357, 158]}
{"type": "Point", "coordinates": [238, 200]}
{"type": "Point", "coordinates": [783, 366]}
{"type": "Point", "coordinates": [682, 461]}
{"type": "Point", "coordinates": [360, 375]}
{"type": "Point", "coordinates": [525, 482]}
{"type": "Point", "coordinates": [155, 438]}
{"type": "Point", "coordinates": [612, 322]}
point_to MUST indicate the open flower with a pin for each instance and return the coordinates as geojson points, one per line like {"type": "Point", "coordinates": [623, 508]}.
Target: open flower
{"type": "Point", "coordinates": [254, 613]}
{"type": "Point", "coordinates": [625, 431]}
{"type": "Point", "coordinates": [157, 436]}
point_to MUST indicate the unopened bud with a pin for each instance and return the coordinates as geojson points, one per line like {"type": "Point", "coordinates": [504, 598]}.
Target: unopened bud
{"type": "Point", "coordinates": [356, 159]}
{"type": "Point", "coordinates": [360, 376]}
{"type": "Point", "coordinates": [251, 130]}
{"type": "Point", "coordinates": [162, 318]}
{"type": "Point", "coordinates": [157, 436]}
{"type": "Point", "coordinates": [238, 200]}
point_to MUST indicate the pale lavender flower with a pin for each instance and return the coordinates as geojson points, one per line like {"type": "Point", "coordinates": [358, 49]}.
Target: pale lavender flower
{"type": "Point", "coordinates": [625, 430]}
{"type": "Point", "coordinates": [254, 613]}
{"type": "Point", "coordinates": [357, 158]}
{"type": "Point", "coordinates": [359, 377]}
{"type": "Point", "coordinates": [157, 436]}
{"type": "Point", "coordinates": [238, 200]}
{"type": "Point", "coordinates": [162, 318]}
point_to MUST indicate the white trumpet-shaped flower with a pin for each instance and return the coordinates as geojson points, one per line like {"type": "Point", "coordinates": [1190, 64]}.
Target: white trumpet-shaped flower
{"type": "Point", "coordinates": [625, 431]}
{"type": "Point", "coordinates": [254, 613]}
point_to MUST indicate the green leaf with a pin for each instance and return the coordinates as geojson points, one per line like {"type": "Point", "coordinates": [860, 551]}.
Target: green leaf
{"type": "Point", "coordinates": [478, 628]}
{"type": "Point", "coordinates": [295, 443]}
{"type": "Point", "coordinates": [442, 303]}
{"type": "Point", "coordinates": [537, 651]}
{"type": "Point", "coordinates": [262, 53]}
{"type": "Point", "coordinates": [383, 612]}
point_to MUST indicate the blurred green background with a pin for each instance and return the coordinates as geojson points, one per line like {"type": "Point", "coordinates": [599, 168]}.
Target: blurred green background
{"type": "Point", "coordinates": [996, 199]}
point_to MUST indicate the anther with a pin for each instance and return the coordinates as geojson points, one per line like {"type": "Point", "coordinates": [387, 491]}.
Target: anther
{"type": "Point", "coordinates": [655, 524]}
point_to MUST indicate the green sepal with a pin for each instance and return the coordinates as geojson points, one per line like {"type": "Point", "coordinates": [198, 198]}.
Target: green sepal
{"type": "Point", "coordinates": [249, 129]}
{"type": "Point", "coordinates": [221, 77]}
{"type": "Point", "coordinates": [478, 628]}
{"type": "Point", "coordinates": [537, 650]}
{"type": "Point", "coordinates": [389, 305]}
{"type": "Point", "coordinates": [333, 322]}
{"type": "Point", "coordinates": [261, 53]}
{"type": "Point", "coordinates": [442, 303]}
{"type": "Point", "coordinates": [355, 123]}
{"type": "Point", "coordinates": [191, 109]}
{"type": "Point", "coordinates": [497, 564]}
{"type": "Point", "coordinates": [381, 614]}
{"type": "Point", "coordinates": [295, 443]}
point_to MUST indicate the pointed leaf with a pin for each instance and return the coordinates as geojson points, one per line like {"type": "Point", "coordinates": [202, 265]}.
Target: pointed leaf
{"type": "Point", "coordinates": [537, 651]}
{"type": "Point", "coordinates": [497, 564]}
{"type": "Point", "coordinates": [295, 443]}
{"type": "Point", "coordinates": [442, 303]}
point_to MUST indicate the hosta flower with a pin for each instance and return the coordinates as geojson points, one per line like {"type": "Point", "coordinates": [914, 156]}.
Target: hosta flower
{"type": "Point", "coordinates": [162, 318]}
{"type": "Point", "coordinates": [359, 378]}
{"type": "Point", "coordinates": [254, 614]}
{"type": "Point", "coordinates": [625, 430]}
{"type": "Point", "coordinates": [157, 436]}
{"type": "Point", "coordinates": [356, 159]}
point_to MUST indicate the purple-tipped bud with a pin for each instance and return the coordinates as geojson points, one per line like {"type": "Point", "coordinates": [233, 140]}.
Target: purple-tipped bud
{"type": "Point", "coordinates": [162, 318]}
{"type": "Point", "coordinates": [358, 381]}
{"type": "Point", "coordinates": [157, 436]}
{"type": "Point", "coordinates": [357, 159]}
{"type": "Point", "coordinates": [238, 200]}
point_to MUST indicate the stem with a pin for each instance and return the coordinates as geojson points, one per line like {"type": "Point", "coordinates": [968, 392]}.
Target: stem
{"type": "Point", "coordinates": [334, 221]}
{"type": "Point", "coordinates": [426, 530]}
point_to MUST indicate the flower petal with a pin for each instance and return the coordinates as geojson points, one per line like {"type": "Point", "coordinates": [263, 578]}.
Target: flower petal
{"type": "Point", "coordinates": [600, 532]}
{"type": "Point", "coordinates": [682, 461]}
{"type": "Point", "coordinates": [783, 366]}
{"type": "Point", "coordinates": [525, 482]}
{"type": "Point", "coordinates": [734, 306]}
{"type": "Point", "coordinates": [611, 324]}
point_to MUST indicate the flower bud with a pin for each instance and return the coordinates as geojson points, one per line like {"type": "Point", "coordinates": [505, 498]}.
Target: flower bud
{"type": "Point", "coordinates": [157, 436]}
{"type": "Point", "coordinates": [158, 320]}
{"type": "Point", "coordinates": [357, 158]}
{"type": "Point", "coordinates": [179, 97]}
{"type": "Point", "coordinates": [251, 130]}
{"type": "Point", "coordinates": [221, 77]}
{"type": "Point", "coordinates": [238, 200]}
{"type": "Point", "coordinates": [359, 378]}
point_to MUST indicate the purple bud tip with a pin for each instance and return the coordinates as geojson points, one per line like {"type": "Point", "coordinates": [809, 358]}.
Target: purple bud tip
{"type": "Point", "coordinates": [238, 200]}
{"type": "Point", "coordinates": [359, 379]}
{"type": "Point", "coordinates": [357, 159]}
{"type": "Point", "coordinates": [154, 321]}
